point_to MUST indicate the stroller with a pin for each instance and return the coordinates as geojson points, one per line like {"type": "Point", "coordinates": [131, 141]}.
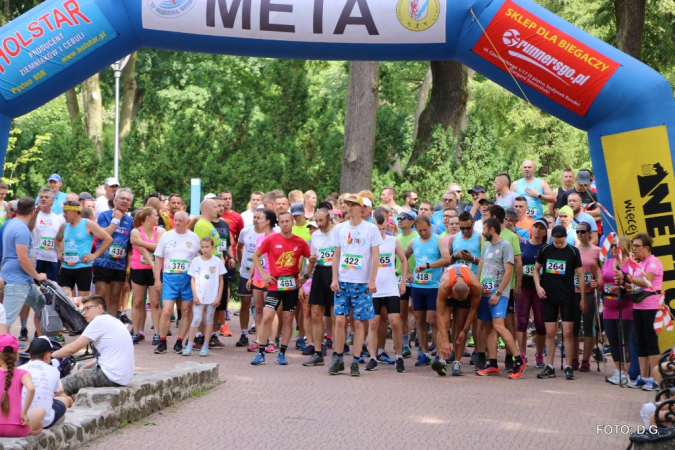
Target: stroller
{"type": "Point", "coordinates": [59, 312]}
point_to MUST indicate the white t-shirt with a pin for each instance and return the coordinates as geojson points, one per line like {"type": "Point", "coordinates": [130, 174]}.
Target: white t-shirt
{"type": "Point", "coordinates": [178, 250]}
{"type": "Point", "coordinates": [3, 315]}
{"type": "Point", "coordinates": [248, 237]}
{"type": "Point", "coordinates": [101, 205]}
{"type": "Point", "coordinates": [321, 245]}
{"type": "Point", "coordinates": [44, 234]}
{"type": "Point", "coordinates": [356, 243]}
{"type": "Point", "coordinates": [115, 348]}
{"type": "Point", "coordinates": [247, 216]}
{"type": "Point", "coordinates": [207, 276]}
{"type": "Point", "coordinates": [47, 381]}
{"type": "Point", "coordinates": [386, 280]}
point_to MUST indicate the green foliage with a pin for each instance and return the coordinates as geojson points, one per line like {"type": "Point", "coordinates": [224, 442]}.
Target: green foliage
{"type": "Point", "coordinates": [15, 169]}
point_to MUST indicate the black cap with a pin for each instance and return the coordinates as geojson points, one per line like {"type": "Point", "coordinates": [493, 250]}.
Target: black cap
{"type": "Point", "coordinates": [326, 205]}
{"type": "Point", "coordinates": [40, 346]}
{"type": "Point", "coordinates": [559, 231]}
{"type": "Point", "coordinates": [86, 196]}
{"type": "Point", "coordinates": [477, 189]}
{"type": "Point", "coordinates": [485, 200]}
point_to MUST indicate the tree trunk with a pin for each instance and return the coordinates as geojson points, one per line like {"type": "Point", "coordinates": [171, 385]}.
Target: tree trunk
{"type": "Point", "coordinates": [93, 111]}
{"type": "Point", "coordinates": [128, 98]}
{"type": "Point", "coordinates": [422, 98]}
{"type": "Point", "coordinates": [630, 26]}
{"type": "Point", "coordinates": [447, 106]}
{"type": "Point", "coordinates": [72, 105]}
{"type": "Point", "coordinates": [360, 121]}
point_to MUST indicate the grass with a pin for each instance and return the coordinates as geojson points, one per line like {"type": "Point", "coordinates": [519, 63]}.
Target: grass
{"type": "Point", "coordinates": [198, 393]}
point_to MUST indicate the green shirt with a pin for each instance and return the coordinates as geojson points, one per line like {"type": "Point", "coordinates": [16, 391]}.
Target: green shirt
{"type": "Point", "coordinates": [204, 228]}
{"type": "Point", "coordinates": [302, 232]}
{"type": "Point", "coordinates": [405, 240]}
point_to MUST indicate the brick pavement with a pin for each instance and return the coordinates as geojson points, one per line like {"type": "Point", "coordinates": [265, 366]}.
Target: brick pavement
{"type": "Point", "coordinates": [300, 407]}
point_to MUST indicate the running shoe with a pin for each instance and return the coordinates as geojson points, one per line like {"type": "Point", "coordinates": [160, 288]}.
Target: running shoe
{"type": "Point", "coordinates": [314, 360]}
{"type": "Point", "coordinates": [336, 367]}
{"type": "Point", "coordinates": [134, 338]}
{"type": "Point", "coordinates": [300, 344]}
{"type": "Point", "coordinates": [124, 319]}
{"type": "Point", "coordinates": [384, 358]}
{"type": "Point", "coordinates": [432, 349]}
{"type": "Point", "coordinates": [204, 351]}
{"type": "Point", "coordinates": [23, 334]}
{"type": "Point", "coordinates": [569, 374]}
{"type": "Point", "coordinates": [362, 360]}
{"type": "Point", "coordinates": [650, 385]}
{"type": "Point", "coordinates": [469, 343]}
{"type": "Point", "coordinates": [508, 364]}
{"type": "Point", "coordinates": [161, 348]}
{"type": "Point", "coordinates": [141, 336]}
{"type": "Point", "coordinates": [227, 315]}
{"type": "Point", "coordinates": [438, 366]}
{"type": "Point", "coordinates": [614, 379]}
{"type": "Point", "coordinates": [488, 371]}
{"type": "Point", "coordinates": [407, 353]}
{"type": "Point", "coordinates": [350, 339]}
{"type": "Point", "coordinates": [178, 347]}
{"type": "Point", "coordinates": [539, 361]}
{"type": "Point", "coordinates": [148, 307]}
{"type": "Point", "coordinates": [259, 360]}
{"type": "Point", "coordinates": [481, 364]}
{"type": "Point", "coordinates": [533, 342]}
{"type": "Point", "coordinates": [237, 312]}
{"type": "Point", "coordinates": [187, 351]}
{"type": "Point", "coordinates": [450, 358]}
{"type": "Point", "coordinates": [281, 359]}
{"type": "Point", "coordinates": [457, 369]}
{"type": "Point", "coordinates": [271, 348]}
{"type": "Point", "coordinates": [354, 370]}
{"type": "Point", "coordinates": [518, 371]}
{"type": "Point", "coordinates": [548, 372]}
{"type": "Point", "coordinates": [585, 366]}
{"type": "Point", "coordinates": [242, 342]}
{"type": "Point", "coordinates": [638, 383]}
{"type": "Point", "coordinates": [251, 330]}
{"type": "Point", "coordinates": [324, 350]}
{"type": "Point", "coordinates": [329, 343]}
{"type": "Point", "coordinates": [155, 339]}
{"type": "Point", "coordinates": [474, 359]}
{"type": "Point", "coordinates": [364, 352]}
{"type": "Point", "coordinates": [372, 365]}
{"type": "Point", "coordinates": [575, 364]}
{"type": "Point", "coordinates": [173, 317]}
{"type": "Point", "coordinates": [466, 353]}
{"type": "Point", "coordinates": [400, 367]}
{"type": "Point", "coordinates": [225, 330]}
{"type": "Point", "coordinates": [345, 349]}
{"type": "Point", "coordinates": [215, 343]}
{"type": "Point", "coordinates": [423, 360]}
{"type": "Point", "coordinates": [309, 350]}
{"type": "Point", "coordinates": [253, 347]}
{"type": "Point", "coordinates": [598, 354]}
{"type": "Point", "coordinates": [501, 343]}
{"type": "Point", "coordinates": [199, 342]}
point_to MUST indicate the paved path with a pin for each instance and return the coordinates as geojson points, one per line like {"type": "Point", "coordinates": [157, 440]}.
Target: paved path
{"type": "Point", "coordinates": [298, 407]}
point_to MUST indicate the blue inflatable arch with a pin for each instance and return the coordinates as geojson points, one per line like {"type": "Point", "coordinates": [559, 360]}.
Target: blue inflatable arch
{"type": "Point", "coordinates": [626, 107]}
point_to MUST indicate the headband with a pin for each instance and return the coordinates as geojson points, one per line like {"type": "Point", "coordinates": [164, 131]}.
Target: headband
{"type": "Point", "coordinates": [71, 208]}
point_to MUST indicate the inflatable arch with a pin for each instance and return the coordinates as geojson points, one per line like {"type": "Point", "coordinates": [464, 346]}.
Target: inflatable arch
{"type": "Point", "coordinates": [626, 107]}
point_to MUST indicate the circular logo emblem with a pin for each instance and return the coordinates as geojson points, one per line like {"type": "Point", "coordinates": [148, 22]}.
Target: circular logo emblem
{"type": "Point", "coordinates": [511, 38]}
{"type": "Point", "coordinates": [418, 15]}
{"type": "Point", "coordinates": [171, 9]}
{"type": "Point", "coordinates": [206, 277]}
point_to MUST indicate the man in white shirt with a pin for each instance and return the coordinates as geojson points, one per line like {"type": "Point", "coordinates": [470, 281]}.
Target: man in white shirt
{"type": "Point", "coordinates": [111, 185]}
{"type": "Point", "coordinates": [255, 201]}
{"type": "Point", "coordinates": [48, 251]}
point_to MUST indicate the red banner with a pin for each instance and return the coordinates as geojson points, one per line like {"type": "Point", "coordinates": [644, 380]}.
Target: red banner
{"type": "Point", "coordinates": [545, 58]}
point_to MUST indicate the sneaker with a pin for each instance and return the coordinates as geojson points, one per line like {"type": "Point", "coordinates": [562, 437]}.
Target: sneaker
{"type": "Point", "coordinates": [242, 342]}
{"type": "Point", "coordinates": [141, 336]}
{"type": "Point", "coordinates": [638, 383]}
{"type": "Point", "coordinates": [148, 307]}
{"type": "Point", "coordinates": [650, 385]}
{"type": "Point", "coordinates": [177, 323]}
{"type": "Point", "coordinates": [432, 349]}
{"type": "Point", "coordinates": [469, 343]}
{"type": "Point", "coordinates": [364, 352]}
{"type": "Point", "coordinates": [225, 330]}
{"type": "Point", "coordinates": [199, 342]}
{"type": "Point", "coordinates": [438, 366]}
{"type": "Point", "coordinates": [251, 330]}
{"type": "Point", "coordinates": [614, 379]}
{"type": "Point", "coordinates": [337, 367]}
{"type": "Point", "coordinates": [173, 318]}
{"type": "Point", "coordinates": [227, 315]}
{"type": "Point", "coordinates": [345, 349]}
{"type": "Point", "coordinates": [253, 347]}
{"type": "Point", "coordinates": [354, 370]}
{"type": "Point", "coordinates": [624, 380]}
{"type": "Point", "coordinates": [155, 339]}
{"type": "Point", "coordinates": [474, 359]}
{"type": "Point", "coordinates": [259, 360]}
{"type": "Point", "coordinates": [134, 338]}
{"type": "Point", "coordinates": [575, 364]}
{"type": "Point", "coordinates": [314, 360]}
{"type": "Point", "coordinates": [450, 358]}
{"type": "Point", "coordinates": [309, 350]}
{"type": "Point", "coordinates": [300, 344]}
{"type": "Point", "coordinates": [124, 319]}
{"type": "Point", "coordinates": [548, 372]}
{"type": "Point", "coordinates": [539, 361]}
{"type": "Point", "coordinates": [532, 343]}
{"type": "Point", "coordinates": [372, 365]}
{"type": "Point", "coordinates": [466, 354]}
{"type": "Point", "coordinates": [384, 358]}
{"type": "Point", "coordinates": [569, 373]}
{"type": "Point", "coordinates": [362, 360]}
{"type": "Point", "coordinates": [488, 371]}
{"type": "Point", "coordinates": [324, 350]}
{"type": "Point", "coordinates": [281, 359]}
{"type": "Point", "coordinates": [501, 343]}
{"type": "Point", "coordinates": [271, 348]}
{"type": "Point", "coordinates": [178, 347]}
{"type": "Point", "coordinates": [400, 367]}
{"type": "Point", "coordinates": [480, 365]}
{"type": "Point", "coordinates": [423, 360]}
{"type": "Point", "coordinates": [215, 343]}
{"type": "Point", "coordinates": [598, 354]}
{"type": "Point", "coordinates": [350, 339]}
{"type": "Point", "coordinates": [187, 351]}
{"type": "Point", "coordinates": [508, 364]}
{"type": "Point", "coordinates": [407, 353]}
{"type": "Point", "coordinates": [329, 343]}
{"type": "Point", "coordinates": [204, 351]}
{"type": "Point", "coordinates": [518, 371]}
{"type": "Point", "coordinates": [457, 369]}
{"type": "Point", "coordinates": [168, 333]}
{"type": "Point", "coordinates": [585, 366]}
{"type": "Point", "coordinates": [161, 348]}
{"type": "Point", "coordinates": [23, 334]}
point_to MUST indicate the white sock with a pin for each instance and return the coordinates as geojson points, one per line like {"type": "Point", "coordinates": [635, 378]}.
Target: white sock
{"type": "Point", "coordinates": [380, 351]}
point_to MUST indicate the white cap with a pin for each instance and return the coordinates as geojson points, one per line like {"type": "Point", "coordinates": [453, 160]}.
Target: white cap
{"type": "Point", "coordinates": [209, 196]}
{"type": "Point", "coordinates": [112, 181]}
{"type": "Point", "coordinates": [367, 202]}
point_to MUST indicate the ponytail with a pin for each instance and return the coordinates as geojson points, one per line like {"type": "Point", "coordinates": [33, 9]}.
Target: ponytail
{"type": "Point", "coordinates": [10, 360]}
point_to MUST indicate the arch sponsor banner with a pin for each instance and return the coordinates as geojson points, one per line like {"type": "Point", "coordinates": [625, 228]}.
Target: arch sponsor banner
{"type": "Point", "coordinates": [45, 43]}
{"type": "Point", "coordinates": [545, 58]}
{"type": "Point", "coordinates": [328, 21]}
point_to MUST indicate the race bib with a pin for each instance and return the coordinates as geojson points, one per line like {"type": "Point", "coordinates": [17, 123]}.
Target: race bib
{"type": "Point", "coordinates": [587, 280]}
{"type": "Point", "coordinates": [46, 243]}
{"type": "Point", "coordinates": [178, 265]}
{"type": "Point", "coordinates": [465, 263]}
{"type": "Point", "coordinates": [71, 258]}
{"type": "Point", "coordinates": [249, 262]}
{"type": "Point", "coordinates": [528, 270]}
{"type": "Point", "coordinates": [262, 262]}
{"type": "Point", "coordinates": [488, 287]}
{"type": "Point", "coordinates": [556, 267]}
{"type": "Point", "coordinates": [143, 261]}
{"type": "Point", "coordinates": [286, 284]}
{"type": "Point", "coordinates": [386, 260]}
{"type": "Point", "coordinates": [607, 292]}
{"type": "Point", "coordinates": [423, 277]}
{"type": "Point", "coordinates": [531, 211]}
{"type": "Point", "coordinates": [326, 256]}
{"type": "Point", "coordinates": [352, 262]}
{"type": "Point", "coordinates": [117, 252]}
{"type": "Point", "coordinates": [635, 289]}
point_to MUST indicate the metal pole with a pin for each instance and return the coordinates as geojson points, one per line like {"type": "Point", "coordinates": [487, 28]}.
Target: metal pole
{"type": "Point", "coordinates": [117, 123]}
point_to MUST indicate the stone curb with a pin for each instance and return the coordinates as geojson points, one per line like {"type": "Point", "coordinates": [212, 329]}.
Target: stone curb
{"type": "Point", "coordinates": [99, 411]}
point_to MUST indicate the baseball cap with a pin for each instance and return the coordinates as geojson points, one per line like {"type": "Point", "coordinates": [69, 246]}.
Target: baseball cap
{"type": "Point", "coordinates": [209, 196]}
{"type": "Point", "coordinates": [485, 200]}
{"type": "Point", "coordinates": [477, 189]}
{"type": "Point", "coordinates": [354, 198]}
{"type": "Point", "coordinates": [566, 210]}
{"type": "Point", "coordinates": [297, 209]}
{"type": "Point", "coordinates": [559, 231]}
{"type": "Point", "coordinates": [407, 215]}
{"type": "Point", "coordinates": [85, 196]}
{"type": "Point", "coordinates": [337, 212]}
{"type": "Point", "coordinates": [541, 222]}
{"type": "Point", "coordinates": [584, 177]}
{"type": "Point", "coordinates": [367, 202]}
{"type": "Point", "coordinates": [312, 224]}
{"type": "Point", "coordinates": [112, 181]}
{"type": "Point", "coordinates": [511, 213]}
{"type": "Point", "coordinates": [326, 205]}
{"type": "Point", "coordinates": [8, 343]}
{"type": "Point", "coordinates": [40, 345]}
{"type": "Point", "coordinates": [55, 177]}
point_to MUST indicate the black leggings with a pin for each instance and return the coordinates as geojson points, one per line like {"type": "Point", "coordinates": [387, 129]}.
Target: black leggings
{"type": "Point", "coordinates": [645, 335]}
{"type": "Point", "coordinates": [612, 332]}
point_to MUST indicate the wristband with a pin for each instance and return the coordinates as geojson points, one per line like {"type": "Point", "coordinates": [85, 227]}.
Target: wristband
{"type": "Point", "coordinates": [115, 221]}
{"type": "Point", "coordinates": [428, 266]}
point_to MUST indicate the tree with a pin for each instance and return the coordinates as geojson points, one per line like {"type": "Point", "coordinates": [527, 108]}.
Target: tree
{"type": "Point", "coordinates": [630, 26]}
{"type": "Point", "coordinates": [360, 123]}
{"type": "Point", "coordinates": [92, 104]}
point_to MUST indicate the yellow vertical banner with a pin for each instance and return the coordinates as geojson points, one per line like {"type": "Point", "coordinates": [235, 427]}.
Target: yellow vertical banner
{"type": "Point", "coordinates": [640, 173]}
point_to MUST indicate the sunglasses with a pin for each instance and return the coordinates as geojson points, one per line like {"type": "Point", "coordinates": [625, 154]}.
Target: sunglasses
{"type": "Point", "coordinates": [449, 200]}
{"type": "Point", "coordinates": [413, 199]}
{"type": "Point", "coordinates": [466, 228]}
{"type": "Point", "coordinates": [582, 231]}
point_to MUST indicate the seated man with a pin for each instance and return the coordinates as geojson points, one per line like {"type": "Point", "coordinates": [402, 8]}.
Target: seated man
{"type": "Point", "coordinates": [47, 380]}
{"type": "Point", "coordinates": [114, 365]}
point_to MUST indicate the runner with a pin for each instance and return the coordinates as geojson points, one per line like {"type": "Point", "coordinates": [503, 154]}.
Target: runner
{"type": "Point", "coordinates": [496, 270]}
{"type": "Point", "coordinates": [226, 252]}
{"type": "Point", "coordinates": [111, 186]}
{"type": "Point", "coordinates": [54, 181]}
{"type": "Point", "coordinates": [174, 253]}
{"type": "Point", "coordinates": [501, 185]}
{"type": "Point", "coordinates": [282, 204]}
{"type": "Point", "coordinates": [387, 301]}
{"type": "Point", "coordinates": [255, 200]}
{"type": "Point", "coordinates": [410, 198]}
{"type": "Point", "coordinates": [555, 287]}
{"type": "Point", "coordinates": [523, 221]}
{"type": "Point", "coordinates": [431, 256]}
{"type": "Point", "coordinates": [510, 221]}
{"type": "Point", "coordinates": [5, 214]}
{"type": "Point", "coordinates": [574, 201]}
{"type": "Point", "coordinates": [405, 223]}
{"type": "Point", "coordinates": [48, 252]}
{"type": "Point", "coordinates": [357, 252]}
{"type": "Point", "coordinates": [309, 201]}
{"type": "Point", "coordinates": [77, 238]}
{"type": "Point", "coordinates": [286, 253]}
{"type": "Point", "coordinates": [535, 190]}
{"type": "Point", "coordinates": [245, 249]}
{"type": "Point", "coordinates": [567, 180]}
{"type": "Point", "coordinates": [388, 199]}
{"type": "Point", "coordinates": [175, 204]}
{"type": "Point", "coordinates": [584, 180]}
